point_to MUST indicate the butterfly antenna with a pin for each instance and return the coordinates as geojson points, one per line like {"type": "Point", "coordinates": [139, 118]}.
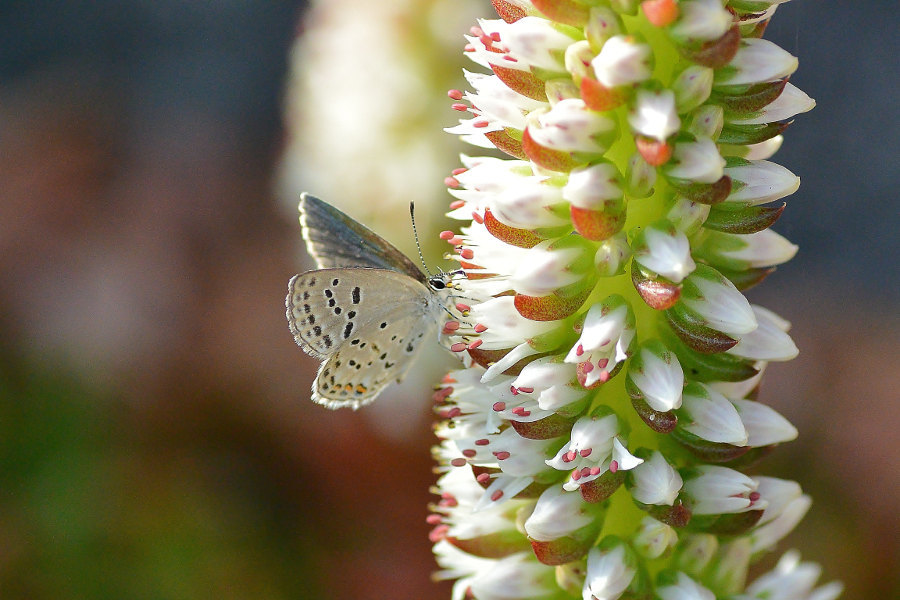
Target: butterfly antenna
{"type": "Point", "coordinates": [412, 216]}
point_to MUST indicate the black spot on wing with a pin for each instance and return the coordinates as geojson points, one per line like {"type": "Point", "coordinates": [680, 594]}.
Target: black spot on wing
{"type": "Point", "coordinates": [356, 295]}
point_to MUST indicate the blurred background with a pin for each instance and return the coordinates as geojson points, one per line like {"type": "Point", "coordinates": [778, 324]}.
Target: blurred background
{"type": "Point", "coordinates": [156, 438]}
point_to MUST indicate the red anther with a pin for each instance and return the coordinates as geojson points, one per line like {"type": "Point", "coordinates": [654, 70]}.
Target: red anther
{"type": "Point", "coordinates": [448, 379]}
{"type": "Point", "coordinates": [451, 325]}
{"type": "Point", "coordinates": [463, 307]}
{"type": "Point", "coordinates": [525, 413]}
{"type": "Point", "coordinates": [499, 406]}
{"type": "Point", "coordinates": [595, 470]}
{"type": "Point", "coordinates": [569, 456]}
{"type": "Point", "coordinates": [479, 328]}
{"type": "Point", "coordinates": [510, 58]}
{"type": "Point", "coordinates": [458, 462]}
{"type": "Point", "coordinates": [495, 36]}
{"type": "Point", "coordinates": [576, 474]}
{"type": "Point", "coordinates": [482, 478]}
{"type": "Point", "coordinates": [458, 171]}
{"type": "Point", "coordinates": [467, 253]}
{"type": "Point", "coordinates": [443, 392]}
{"type": "Point", "coordinates": [502, 455]}
{"type": "Point", "coordinates": [497, 495]}
{"type": "Point", "coordinates": [476, 31]}
{"type": "Point", "coordinates": [602, 363]}
{"type": "Point", "coordinates": [468, 48]}
{"type": "Point", "coordinates": [579, 350]}
{"type": "Point", "coordinates": [477, 218]}
{"type": "Point", "coordinates": [455, 94]}
{"type": "Point", "coordinates": [459, 106]}
{"type": "Point", "coordinates": [454, 412]}
{"type": "Point", "coordinates": [475, 344]}
{"type": "Point", "coordinates": [438, 533]}
{"type": "Point", "coordinates": [518, 411]}
{"type": "Point", "coordinates": [486, 40]}
{"type": "Point", "coordinates": [585, 452]}
{"type": "Point", "coordinates": [613, 466]}
{"type": "Point", "coordinates": [457, 204]}
{"type": "Point", "coordinates": [514, 392]}
{"type": "Point", "coordinates": [604, 376]}
{"type": "Point", "coordinates": [480, 124]}
{"type": "Point", "coordinates": [588, 367]}
{"type": "Point", "coordinates": [434, 519]}
{"type": "Point", "coordinates": [458, 347]}
{"type": "Point", "coordinates": [455, 241]}
{"type": "Point", "coordinates": [482, 442]}
{"type": "Point", "coordinates": [585, 471]}
{"type": "Point", "coordinates": [451, 182]}
{"type": "Point", "coordinates": [754, 496]}
{"type": "Point", "coordinates": [469, 453]}
{"type": "Point", "coordinates": [446, 234]}
{"type": "Point", "coordinates": [526, 390]}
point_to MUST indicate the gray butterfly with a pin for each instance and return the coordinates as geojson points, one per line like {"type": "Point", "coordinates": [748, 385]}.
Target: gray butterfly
{"type": "Point", "coordinates": [364, 312]}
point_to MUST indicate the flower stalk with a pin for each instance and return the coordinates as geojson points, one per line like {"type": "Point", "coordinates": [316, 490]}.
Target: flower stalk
{"type": "Point", "coordinates": [594, 441]}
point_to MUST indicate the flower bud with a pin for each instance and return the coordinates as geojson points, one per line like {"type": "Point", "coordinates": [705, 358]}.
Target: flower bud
{"type": "Point", "coordinates": [623, 60]}
{"type": "Point", "coordinates": [562, 527]}
{"type": "Point", "coordinates": [610, 570]}
{"type": "Point", "coordinates": [655, 376]}
{"type": "Point", "coordinates": [654, 538]}
{"type": "Point", "coordinates": [664, 250]}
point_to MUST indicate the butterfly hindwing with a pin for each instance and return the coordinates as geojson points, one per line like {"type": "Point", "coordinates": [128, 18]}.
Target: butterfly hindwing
{"type": "Point", "coordinates": [363, 366]}
{"type": "Point", "coordinates": [336, 240]}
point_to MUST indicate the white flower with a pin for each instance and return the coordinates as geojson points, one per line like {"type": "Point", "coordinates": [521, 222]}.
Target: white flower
{"type": "Point", "coordinates": [514, 577]}
{"type": "Point", "coordinates": [721, 305]}
{"type": "Point", "coordinates": [622, 60]}
{"type": "Point", "coordinates": [608, 574]}
{"type": "Point", "coordinates": [665, 250]}
{"type": "Point", "coordinates": [710, 416]}
{"type": "Point", "coordinates": [792, 580]}
{"type": "Point", "coordinates": [769, 341]}
{"type": "Point", "coordinates": [605, 339]}
{"type": "Point", "coordinates": [556, 514]}
{"type": "Point", "coordinates": [572, 127]}
{"type": "Point", "coordinates": [715, 490]}
{"type": "Point", "coordinates": [654, 114]}
{"type": "Point", "coordinates": [684, 588]}
{"type": "Point", "coordinates": [657, 373]}
{"type": "Point", "coordinates": [653, 538]}
{"type": "Point", "coordinates": [759, 182]}
{"type": "Point", "coordinates": [655, 481]}
{"type": "Point", "coordinates": [756, 60]}
{"type": "Point", "coordinates": [698, 161]}
{"type": "Point", "coordinates": [593, 186]}
{"type": "Point", "coordinates": [764, 425]}
{"type": "Point", "coordinates": [701, 20]}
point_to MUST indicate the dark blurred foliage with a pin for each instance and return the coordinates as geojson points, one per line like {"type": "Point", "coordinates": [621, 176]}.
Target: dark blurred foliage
{"type": "Point", "coordinates": [155, 437]}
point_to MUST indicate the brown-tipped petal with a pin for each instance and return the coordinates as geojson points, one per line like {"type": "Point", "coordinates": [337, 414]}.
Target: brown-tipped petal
{"type": "Point", "coordinates": [486, 358]}
{"type": "Point", "coordinates": [506, 143]}
{"type": "Point", "coordinates": [657, 421]}
{"type": "Point", "coordinates": [598, 97]}
{"type": "Point", "coordinates": [655, 152]}
{"type": "Point", "coordinates": [660, 12]}
{"type": "Point", "coordinates": [521, 238]}
{"type": "Point", "coordinates": [545, 429]}
{"type": "Point", "coordinates": [656, 293]}
{"type": "Point", "coordinates": [750, 134]}
{"type": "Point", "coordinates": [712, 452]}
{"type": "Point", "coordinates": [492, 545]}
{"type": "Point", "coordinates": [717, 53]}
{"type": "Point", "coordinates": [698, 336]}
{"type": "Point", "coordinates": [603, 487]}
{"type": "Point", "coordinates": [746, 279]}
{"type": "Point", "coordinates": [730, 524]}
{"type": "Point", "coordinates": [555, 160]}
{"type": "Point", "coordinates": [507, 11]}
{"type": "Point", "coordinates": [550, 308]}
{"type": "Point", "coordinates": [750, 219]}
{"type": "Point", "coordinates": [704, 193]}
{"type": "Point", "coordinates": [564, 11]}
{"type": "Point", "coordinates": [523, 82]}
{"type": "Point", "coordinates": [677, 515]}
{"type": "Point", "coordinates": [750, 99]}
{"type": "Point", "coordinates": [596, 225]}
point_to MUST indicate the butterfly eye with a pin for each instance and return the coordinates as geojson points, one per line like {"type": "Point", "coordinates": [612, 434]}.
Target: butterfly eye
{"type": "Point", "coordinates": [437, 283]}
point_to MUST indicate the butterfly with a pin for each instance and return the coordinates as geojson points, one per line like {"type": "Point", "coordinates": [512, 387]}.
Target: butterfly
{"type": "Point", "coordinates": [363, 312]}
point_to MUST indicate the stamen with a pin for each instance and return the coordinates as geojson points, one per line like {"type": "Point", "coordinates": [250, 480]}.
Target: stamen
{"type": "Point", "coordinates": [502, 455]}
{"type": "Point", "coordinates": [457, 204]}
{"type": "Point", "coordinates": [497, 495]}
{"type": "Point", "coordinates": [455, 94]}
{"type": "Point", "coordinates": [499, 406]}
{"type": "Point", "coordinates": [458, 347]}
{"type": "Point", "coordinates": [451, 182]}
{"type": "Point", "coordinates": [458, 462]}
{"type": "Point", "coordinates": [613, 466]}
{"type": "Point", "coordinates": [469, 453]}
{"type": "Point", "coordinates": [479, 328]}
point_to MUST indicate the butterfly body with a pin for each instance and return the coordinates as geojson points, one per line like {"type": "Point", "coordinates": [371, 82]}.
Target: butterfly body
{"type": "Point", "coordinates": [364, 312]}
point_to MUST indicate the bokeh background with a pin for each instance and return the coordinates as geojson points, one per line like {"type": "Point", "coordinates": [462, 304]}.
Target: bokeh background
{"type": "Point", "coordinates": [156, 438]}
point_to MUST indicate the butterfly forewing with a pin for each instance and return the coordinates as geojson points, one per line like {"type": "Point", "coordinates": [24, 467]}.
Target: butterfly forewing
{"type": "Point", "coordinates": [336, 240]}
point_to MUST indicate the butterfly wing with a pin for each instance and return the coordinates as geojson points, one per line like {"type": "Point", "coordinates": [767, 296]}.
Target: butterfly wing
{"type": "Point", "coordinates": [366, 324]}
{"type": "Point", "coordinates": [335, 240]}
{"type": "Point", "coordinates": [361, 368]}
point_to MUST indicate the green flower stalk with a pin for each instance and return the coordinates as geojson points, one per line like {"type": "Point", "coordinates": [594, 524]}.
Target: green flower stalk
{"type": "Point", "coordinates": [595, 442]}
